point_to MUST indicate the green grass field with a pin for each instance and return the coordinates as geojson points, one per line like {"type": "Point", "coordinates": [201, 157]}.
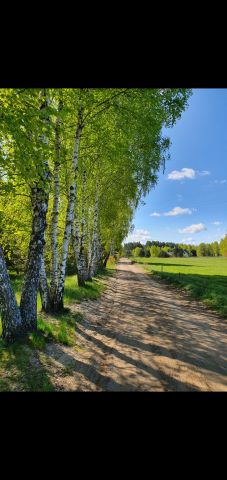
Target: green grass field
{"type": "Point", "coordinates": [204, 278]}
{"type": "Point", "coordinates": [21, 366]}
{"type": "Point", "coordinates": [72, 293]}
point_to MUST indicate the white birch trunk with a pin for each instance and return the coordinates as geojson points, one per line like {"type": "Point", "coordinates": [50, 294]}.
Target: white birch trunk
{"type": "Point", "coordinates": [39, 199]}
{"type": "Point", "coordinates": [55, 211]}
{"type": "Point", "coordinates": [81, 262]}
{"type": "Point", "coordinates": [69, 221]}
{"type": "Point", "coordinates": [82, 267]}
{"type": "Point", "coordinates": [89, 252]}
{"type": "Point", "coordinates": [89, 249]}
{"type": "Point", "coordinates": [54, 227]}
{"type": "Point", "coordinates": [76, 238]}
{"type": "Point", "coordinates": [100, 252]}
{"type": "Point", "coordinates": [94, 256]}
{"type": "Point", "coordinates": [43, 287]}
{"type": "Point", "coordinates": [28, 304]}
{"type": "Point", "coordinates": [11, 318]}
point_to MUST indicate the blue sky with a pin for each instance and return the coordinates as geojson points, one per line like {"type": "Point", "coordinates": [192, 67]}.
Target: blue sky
{"type": "Point", "coordinates": [190, 200]}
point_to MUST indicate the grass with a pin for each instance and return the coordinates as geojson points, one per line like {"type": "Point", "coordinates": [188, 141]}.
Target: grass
{"type": "Point", "coordinates": [21, 368]}
{"type": "Point", "coordinates": [204, 278]}
{"type": "Point", "coordinates": [21, 365]}
{"type": "Point", "coordinates": [72, 294]}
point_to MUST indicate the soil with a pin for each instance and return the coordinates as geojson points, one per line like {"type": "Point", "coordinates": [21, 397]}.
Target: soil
{"type": "Point", "coordinates": [141, 335]}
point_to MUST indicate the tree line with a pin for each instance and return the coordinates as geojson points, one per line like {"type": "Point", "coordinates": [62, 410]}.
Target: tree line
{"type": "Point", "coordinates": [168, 249]}
{"type": "Point", "coordinates": [74, 165]}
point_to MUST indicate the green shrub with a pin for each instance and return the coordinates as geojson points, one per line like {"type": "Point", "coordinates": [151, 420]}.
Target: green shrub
{"type": "Point", "coordinates": [163, 254]}
{"type": "Point", "coordinates": [138, 252]}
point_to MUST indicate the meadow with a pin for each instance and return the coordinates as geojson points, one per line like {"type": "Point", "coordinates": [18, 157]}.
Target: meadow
{"type": "Point", "coordinates": [204, 278]}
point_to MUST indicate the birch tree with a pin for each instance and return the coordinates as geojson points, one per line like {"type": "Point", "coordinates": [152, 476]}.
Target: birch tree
{"type": "Point", "coordinates": [11, 318]}
{"type": "Point", "coordinates": [53, 158]}
{"type": "Point", "coordinates": [39, 201]}
{"type": "Point", "coordinates": [22, 140]}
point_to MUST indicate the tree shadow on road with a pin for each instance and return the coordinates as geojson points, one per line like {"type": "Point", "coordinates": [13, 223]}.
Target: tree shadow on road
{"type": "Point", "coordinates": [202, 345]}
{"type": "Point", "coordinates": [91, 371]}
{"type": "Point", "coordinates": [148, 333]}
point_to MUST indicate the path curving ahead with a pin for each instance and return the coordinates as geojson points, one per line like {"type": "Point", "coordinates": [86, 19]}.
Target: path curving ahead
{"type": "Point", "coordinates": [142, 335]}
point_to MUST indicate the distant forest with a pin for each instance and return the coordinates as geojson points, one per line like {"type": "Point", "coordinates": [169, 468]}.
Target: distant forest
{"type": "Point", "coordinates": [170, 249]}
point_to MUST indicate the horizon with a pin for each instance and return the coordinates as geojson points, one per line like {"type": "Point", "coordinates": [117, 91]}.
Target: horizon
{"type": "Point", "coordinates": [187, 205]}
{"type": "Point", "coordinates": [143, 244]}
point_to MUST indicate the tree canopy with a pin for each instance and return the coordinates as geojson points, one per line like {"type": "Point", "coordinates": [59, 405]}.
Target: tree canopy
{"type": "Point", "coordinates": [74, 165]}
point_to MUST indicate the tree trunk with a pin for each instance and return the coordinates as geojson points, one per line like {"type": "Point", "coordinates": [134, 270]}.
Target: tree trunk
{"type": "Point", "coordinates": [82, 268]}
{"type": "Point", "coordinates": [81, 262]}
{"type": "Point", "coordinates": [55, 212]}
{"type": "Point", "coordinates": [54, 226]}
{"type": "Point", "coordinates": [106, 259]}
{"type": "Point", "coordinates": [112, 248]}
{"type": "Point", "coordinates": [99, 253]}
{"type": "Point", "coordinates": [39, 200]}
{"type": "Point", "coordinates": [76, 238]}
{"type": "Point", "coordinates": [94, 256]}
{"type": "Point", "coordinates": [76, 246]}
{"type": "Point", "coordinates": [28, 304]}
{"type": "Point", "coordinates": [69, 221]}
{"type": "Point", "coordinates": [43, 287]}
{"type": "Point", "coordinates": [89, 254]}
{"type": "Point", "coordinates": [11, 318]}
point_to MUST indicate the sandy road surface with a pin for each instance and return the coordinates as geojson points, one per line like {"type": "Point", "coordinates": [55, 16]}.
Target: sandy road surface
{"type": "Point", "coordinates": [142, 336]}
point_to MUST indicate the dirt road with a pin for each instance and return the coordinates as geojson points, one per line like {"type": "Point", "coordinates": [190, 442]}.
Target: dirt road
{"type": "Point", "coordinates": [142, 336]}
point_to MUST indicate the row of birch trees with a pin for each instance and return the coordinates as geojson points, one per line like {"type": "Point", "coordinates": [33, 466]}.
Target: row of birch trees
{"type": "Point", "coordinates": [74, 165]}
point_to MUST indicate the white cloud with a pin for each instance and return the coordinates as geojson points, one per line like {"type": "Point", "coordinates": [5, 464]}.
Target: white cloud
{"type": "Point", "coordinates": [180, 174]}
{"type": "Point", "coordinates": [216, 223]}
{"type": "Point", "coordinates": [178, 211]}
{"type": "Point", "coordinates": [196, 228]}
{"type": "Point", "coordinates": [188, 240]}
{"type": "Point", "coordinates": [139, 235]}
{"type": "Point", "coordinates": [187, 173]}
{"type": "Point", "coordinates": [220, 181]}
{"type": "Point", "coordinates": [174, 212]}
{"type": "Point", "coordinates": [203, 173]}
{"type": "Point", "coordinates": [155, 214]}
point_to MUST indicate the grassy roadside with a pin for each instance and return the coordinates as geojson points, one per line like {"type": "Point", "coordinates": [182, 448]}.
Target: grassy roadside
{"type": "Point", "coordinates": [21, 366]}
{"type": "Point", "coordinates": [203, 278]}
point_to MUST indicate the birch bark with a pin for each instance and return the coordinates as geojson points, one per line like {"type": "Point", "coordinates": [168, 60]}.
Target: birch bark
{"type": "Point", "coordinates": [80, 249]}
{"type": "Point", "coordinates": [39, 200]}
{"type": "Point", "coordinates": [89, 253]}
{"type": "Point", "coordinates": [55, 211]}
{"type": "Point", "coordinates": [43, 287]}
{"type": "Point", "coordinates": [76, 238]}
{"type": "Point", "coordinates": [11, 318]}
{"type": "Point", "coordinates": [94, 254]}
{"type": "Point", "coordinates": [28, 304]}
{"type": "Point", "coordinates": [69, 219]}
